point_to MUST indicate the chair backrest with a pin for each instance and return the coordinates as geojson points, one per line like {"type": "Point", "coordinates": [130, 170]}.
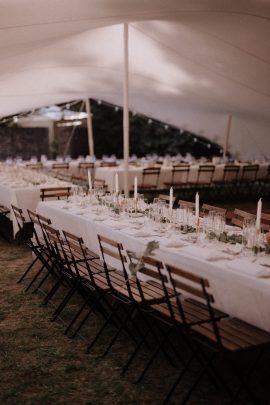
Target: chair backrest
{"type": "Point", "coordinates": [230, 173]}
{"type": "Point", "coordinates": [60, 166]}
{"type": "Point", "coordinates": [249, 172]}
{"type": "Point", "coordinates": [239, 216]}
{"type": "Point", "coordinates": [180, 173]}
{"type": "Point", "coordinates": [34, 166]}
{"type": "Point", "coordinates": [76, 254]}
{"type": "Point", "coordinates": [165, 197]}
{"type": "Point", "coordinates": [153, 271]}
{"type": "Point", "coordinates": [150, 177]}
{"type": "Point", "coordinates": [21, 222]}
{"type": "Point", "coordinates": [206, 208]}
{"type": "Point", "coordinates": [192, 286]}
{"type": "Point", "coordinates": [112, 250]}
{"type": "Point", "coordinates": [265, 222]}
{"type": "Point", "coordinates": [37, 220]}
{"type": "Point", "coordinates": [108, 164]}
{"type": "Point", "coordinates": [54, 193]}
{"type": "Point", "coordinates": [53, 241]}
{"type": "Point", "coordinates": [205, 174]}
{"type": "Point", "coordinates": [64, 176]}
{"type": "Point", "coordinates": [189, 204]}
{"type": "Point", "coordinates": [100, 184]}
{"type": "Point", "coordinates": [85, 166]}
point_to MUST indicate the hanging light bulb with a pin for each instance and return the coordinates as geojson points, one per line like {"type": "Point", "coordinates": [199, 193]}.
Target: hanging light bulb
{"type": "Point", "coordinates": [209, 145]}
{"type": "Point", "coordinates": [15, 119]}
{"type": "Point", "coordinates": [99, 102]}
{"type": "Point", "coordinates": [195, 140]}
{"type": "Point", "coordinates": [116, 109]}
{"type": "Point", "coordinates": [150, 121]}
{"type": "Point", "coordinates": [166, 127]}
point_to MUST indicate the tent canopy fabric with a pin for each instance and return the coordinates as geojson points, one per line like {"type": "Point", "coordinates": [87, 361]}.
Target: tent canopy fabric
{"type": "Point", "coordinates": [192, 62]}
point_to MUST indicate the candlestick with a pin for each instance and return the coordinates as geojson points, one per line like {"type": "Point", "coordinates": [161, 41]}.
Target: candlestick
{"type": "Point", "coordinates": [89, 180]}
{"type": "Point", "coordinates": [116, 184]}
{"type": "Point", "coordinates": [135, 187]}
{"type": "Point", "coordinates": [259, 214]}
{"type": "Point", "coordinates": [197, 206]}
{"type": "Point", "coordinates": [171, 199]}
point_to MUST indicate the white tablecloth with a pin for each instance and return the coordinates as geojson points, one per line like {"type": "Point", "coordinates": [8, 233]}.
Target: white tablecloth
{"type": "Point", "coordinates": [24, 198]}
{"type": "Point", "coordinates": [234, 283]}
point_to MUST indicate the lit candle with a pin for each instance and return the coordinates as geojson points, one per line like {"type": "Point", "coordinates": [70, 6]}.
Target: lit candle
{"type": "Point", "coordinates": [116, 184]}
{"type": "Point", "coordinates": [135, 187]}
{"type": "Point", "coordinates": [259, 214]}
{"type": "Point", "coordinates": [197, 206]}
{"type": "Point", "coordinates": [89, 180]}
{"type": "Point", "coordinates": [171, 198]}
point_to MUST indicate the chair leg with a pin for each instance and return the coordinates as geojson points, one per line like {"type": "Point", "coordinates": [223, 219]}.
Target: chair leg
{"type": "Point", "coordinates": [35, 278]}
{"type": "Point", "coordinates": [27, 270]}
{"type": "Point", "coordinates": [120, 329]}
{"type": "Point", "coordinates": [77, 315]}
{"type": "Point", "coordinates": [244, 381]}
{"type": "Point", "coordinates": [154, 355]}
{"type": "Point", "coordinates": [64, 302]}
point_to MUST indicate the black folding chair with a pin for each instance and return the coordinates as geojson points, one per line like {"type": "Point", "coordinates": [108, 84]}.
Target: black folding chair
{"type": "Point", "coordinates": [213, 330]}
{"type": "Point", "coordinates": [32, 240]}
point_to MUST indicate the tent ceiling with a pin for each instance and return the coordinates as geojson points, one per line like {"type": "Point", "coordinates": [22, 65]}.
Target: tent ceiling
{"type": "Point", "coordinates": [191, 62]}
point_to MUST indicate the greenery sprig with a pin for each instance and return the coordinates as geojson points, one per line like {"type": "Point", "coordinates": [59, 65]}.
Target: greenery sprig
{"type": "Point", "coordinates": [225, 237]}
{"type": "Point", "coordinates": [139, 265]}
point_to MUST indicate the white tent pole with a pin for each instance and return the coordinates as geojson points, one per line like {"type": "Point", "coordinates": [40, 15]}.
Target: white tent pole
{"type": "Point", "coordinates": [126, 112]}
{"type": "Point", "coordinates": [89, 128]}
{"type": "Point", "coordinates": [227, 136]}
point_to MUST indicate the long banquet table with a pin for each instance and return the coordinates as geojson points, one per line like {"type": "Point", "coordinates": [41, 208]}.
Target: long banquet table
{"type": "Point", "coordinates": [234, 280]}
{"type": "Point", "coordinates": [24, 196]}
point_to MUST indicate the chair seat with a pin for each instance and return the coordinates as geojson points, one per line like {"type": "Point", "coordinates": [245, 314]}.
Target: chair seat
{"type": "Point", "coordinates": [235, 334]}
{"type": "Point", "coordinates": [195, 311]}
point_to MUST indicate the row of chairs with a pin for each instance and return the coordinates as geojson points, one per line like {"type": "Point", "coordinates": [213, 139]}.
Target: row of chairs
{"type": "Point", "coordinates": [161, 299]}
{"type": "Point", "coordinates": [205, 175]}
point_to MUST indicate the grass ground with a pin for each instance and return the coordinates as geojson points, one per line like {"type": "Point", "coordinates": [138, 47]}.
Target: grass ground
{"type": "Point", "coordinates": [41, 366]}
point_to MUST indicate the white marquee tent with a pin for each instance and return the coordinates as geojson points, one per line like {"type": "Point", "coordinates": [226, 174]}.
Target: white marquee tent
{"type": "Point", "coordinates": [191, 62]}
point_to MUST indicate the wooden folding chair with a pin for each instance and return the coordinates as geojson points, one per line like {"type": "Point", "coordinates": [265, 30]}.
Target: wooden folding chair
{"type": "Point", "coordinates": [265, 222]}
{"type": "Point", "coordinates": [34, 166]}
{"type": "Point", "coordinates": [84, 167]}
{"type": "Point", "coordinates": [180, 173]}
{"type": "Point", "coordinates": [247, 182]}
{"type": "Point", "coordinates": [204, 176]}
{"type": "Point", "coordinates": [165, 197]}
{"type": "Point", "coordinates": [54, 193]}
{"type": "Point", "coordinates": [220, 334]}
{"type": "Point", "coordinates": [150, 178]}
{"type": "Point", "coordinates": [207, 207]}
{"type": "Point", "coordinates": [188, 204]}
{"type": "Point", "coordinates": [229, 181]}
{"type": "Point", "coordinates": [60, 166]}
{"type": "Point", "coordinates": [239, 216]}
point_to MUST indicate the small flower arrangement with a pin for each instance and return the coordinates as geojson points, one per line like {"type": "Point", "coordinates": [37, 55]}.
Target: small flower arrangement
{"type": "Point", "coordinates": [139, 265]}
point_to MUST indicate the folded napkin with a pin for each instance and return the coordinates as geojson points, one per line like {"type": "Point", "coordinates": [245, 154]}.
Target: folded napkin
{"type": "Point", "coordinates": [250, 268]}
{"type": "Point", "coordinates": [142, 234]}
{"type": "Point", "coordinates": [175, 244]}
{"type": "Point", "coordinates": [205, 253]}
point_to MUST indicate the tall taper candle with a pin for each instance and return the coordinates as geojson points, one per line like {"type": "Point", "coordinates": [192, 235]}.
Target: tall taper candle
{"type": "Point", "coordinates": [197, 206]}
{"type": "Point", "coordinates": [171, 198]}
{"type": "Point", "coordinates": [259, 214]}
{"type": "Point", "coordinates": [135, 187]}
{"type": "Point", "coordinates": [89, 180]}
{"type": "Point", "coordinates": [116, 184]}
